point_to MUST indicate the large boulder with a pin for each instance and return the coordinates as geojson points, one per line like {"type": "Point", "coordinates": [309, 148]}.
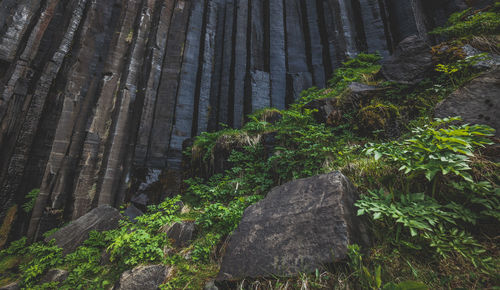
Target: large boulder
{"type": "Point", "coordinates": [70, 237]}
{"type": "Point", "coordinates": [299, 227]}
{"type": "Point", "coordinates": [478, 102]}
{"type": "Point", "coordinates": [410, 63]}
{"type": "Point", "coordinates": [145, 277]}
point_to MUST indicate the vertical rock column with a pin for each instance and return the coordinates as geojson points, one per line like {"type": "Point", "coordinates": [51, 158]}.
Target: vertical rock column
{"type": "Point", "coordinates": [277, 54]}
{"type": "Point", "coordinates": [299, 76]}
{"type": "Point", "coordinates": [169, 83]}
{"type": "Point", "coordinates": [240, 62]}
{"type": "Point", "coordinates": [315, 44]}
{"type": "Point", "coordinates": [258, 84]}
{"type": "Point", "coordinates": [208, 63]}
{"type": "Point", "coordinates": [11, 38]}
{"type": "Point", "coordinates": [227, 68]}
{"type": "Point", "coordinates": [373, 24]}
{"type": "Point", "coordinates": [216, 86]}
{"type": "Point", "coordinates": [184, 109]}
{"type": "Point", "coordinates": [153, 83]}
{"type": "Point", "coordinates": [121, 131]}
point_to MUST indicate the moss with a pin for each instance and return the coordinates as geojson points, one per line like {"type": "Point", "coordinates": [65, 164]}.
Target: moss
{"type": "Point", "coordinates": [9, 219]}
{"type": "Point", "coordinates": [376, 116]}
{"type": "Point", "coordinates": [447, 53]}
{"type": "Point", "coordinates": [9, 269]}
{"type": "Point", "coordinates": [189, 275]}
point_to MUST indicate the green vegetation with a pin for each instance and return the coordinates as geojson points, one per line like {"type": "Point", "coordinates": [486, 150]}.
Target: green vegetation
{"type": "Point", "coordinates": [31, 199]}
{"type": "Point", "coordinates": [472, 22]}
{"type": "Point", "coordinates": [431, 198]}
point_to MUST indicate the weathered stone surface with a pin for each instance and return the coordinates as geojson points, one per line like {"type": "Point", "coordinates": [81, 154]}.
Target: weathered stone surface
{"type": "Point", "coordinates": [148, 277]}
{"type": "Point", "coordinates": [478, 102]}
{"type": "Point", "coordinates": [54, 275]}
{"type": "Point", "coordinates": [180, 233]}
{"type": "Point", "coordinates": [12, 286]}
{"type": "Point", "coordinates": [102, 218]}
{"type": "Point", "coordinates": [240, 62]}
{"type": "Point", "coordinates": [298, 227]}
{"type": "Point", "coordinates": [277, 56]}
{"type": "Point", "coordinates": [132, 212]}
{"type": "Point", "coordinates": [211, 286]}
{"type": "Point", "coordinates": [491, 60]}
{"type": "Point", "coordinates": [183, 121]}
{"type": "Point", "coordinates": [260, 88]}
{"type": "Point", "coordinates": [410, 63]}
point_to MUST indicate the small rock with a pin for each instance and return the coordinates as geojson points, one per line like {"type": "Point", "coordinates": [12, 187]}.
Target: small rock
{"type": "Point", "coordinates": [185, 209]}
{"type": "Point", "coordinates": [410, 63]}
{"type": "Point", "coordinates": [210, 286]}
{"type": "Point", "coordinates": [148, 277]}
{"type": "Point", "coordinates": [12, 286]}
{"type": "Point", "coordinates": [168, 251]}
{"type": "Point", "coordinates": [492, 60]}
{"type": "Point", "coordinates": [299, 227]}
{"type": "Point", "coordinates": [181, 233]}
{"type": "Point", "coordinates": [132, 212]}
{"type": "Point", "coordinates": [141, 200]}
{"type": "Point", "coordinates": [54, 275]}
{"type": "Point", "coordinates": [73, 235]}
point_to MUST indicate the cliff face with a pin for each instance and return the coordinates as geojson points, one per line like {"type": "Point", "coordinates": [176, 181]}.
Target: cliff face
{"type": "Point", "coordinates": [97, 97]}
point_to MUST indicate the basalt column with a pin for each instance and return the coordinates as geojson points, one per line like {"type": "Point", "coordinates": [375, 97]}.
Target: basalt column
{"type": "Point", "coordinates": [98, 97]}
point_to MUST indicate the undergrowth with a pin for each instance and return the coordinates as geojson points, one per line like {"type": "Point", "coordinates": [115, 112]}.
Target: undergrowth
{"type": "Point", "coordinates": [432, 198]}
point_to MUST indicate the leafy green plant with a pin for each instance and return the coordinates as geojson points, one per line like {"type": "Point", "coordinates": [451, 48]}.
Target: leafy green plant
{"type": "Point", "coordinates": [373, 279]}
{"type": "Point", "coordinates": [417, 212]}
{"type": "Point", "coordinates": [433, 149]}
{"type": "Point", "coordinates": [31, 199]}
{"type": "Point", "coordinates": [15, 248]}
{"type": "Point", "coordinates": [472, 22]}
{"type": "Point", "coordinates": [461, 68]}
{"type": "Point", "coordinates": [43, 257]}
{"type": "Point", "coordinates": [204, 248]}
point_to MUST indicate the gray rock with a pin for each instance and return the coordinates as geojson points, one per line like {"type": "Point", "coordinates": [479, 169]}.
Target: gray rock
{"type": "Point", "coordinates": [141, 200]}
{"type": "Point", "coordinates": [492, 60]}
{"type": "Point", "coordinates": [12, 286]}
{"type": "Point", "coordinates": [54, 275]}
{"type": "Point", "coordinates": [73, 235]}
{"type": "Point", "coordinates": [148, 277]}
{"type": "Point", "coordinates": [132, 212]}
{"type": "Point", "coordinates": [478, 102]}
{"type": "Point", "coordinates": [410, 63]}
{"type": "Point", "coordinates": [299, 227]}
{"type": "Point", "coordinates": [211, 286]}
{"type": "Point", "coordinates": [181, 233]}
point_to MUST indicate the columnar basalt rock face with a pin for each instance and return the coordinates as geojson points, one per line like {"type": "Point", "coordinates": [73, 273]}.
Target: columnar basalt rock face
{"type": "Point", "coordinates": [94, 94]}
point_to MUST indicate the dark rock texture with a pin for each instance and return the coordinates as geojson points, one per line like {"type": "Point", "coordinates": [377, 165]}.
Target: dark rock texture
{"type": "Point", "coordinates": [94, 92]}
{"type": "Point", "coordinates": [180, 233]}
{"type": "Point", "coordinates": [148, 277]}
{"type": "Point", "coordinates": [70, 237]}
{"type": "Point", "coordinates": [300, 226]}
{"type": "Point", "coordinates": [12, 286]}
{"type": "Point", "coordinates": [410, 63]}
{"type": "Point", "coordinates": [54, 275]}
{"type": "Point", "coordinates": [478, 102]}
